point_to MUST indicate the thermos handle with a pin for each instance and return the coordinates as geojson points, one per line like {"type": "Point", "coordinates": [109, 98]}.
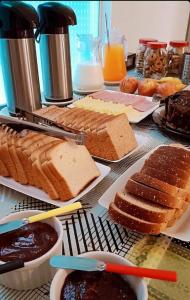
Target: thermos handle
{"type": "Point", "coordinates": [37, 34]}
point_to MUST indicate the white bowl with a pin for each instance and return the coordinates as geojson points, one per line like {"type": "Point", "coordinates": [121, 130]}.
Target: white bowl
{"type": "Point", "coordinates": [138, 284]}
{"type": "Point", "coordinates": [38, 271]}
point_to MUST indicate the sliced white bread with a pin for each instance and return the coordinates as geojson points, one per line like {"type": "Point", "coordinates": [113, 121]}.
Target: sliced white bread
{"type": "Point", "coordinates": [72, 166]}
{"type": "Point", "coordinates": [143, 209]}
{"type": "Point", "coordinates": [153, 195]}
{"type": "Point", "coordinates": [134, 223]}
{"type": "Point", "coordinates": [44, 181]}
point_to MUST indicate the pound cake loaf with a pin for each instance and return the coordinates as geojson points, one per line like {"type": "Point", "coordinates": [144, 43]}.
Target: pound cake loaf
{"type": "Point", "coordinates": [106, 136]}
{"type": "Point", "coordinates": [157, 196]}
{"type": "Point", "coordinates": [59, 167]}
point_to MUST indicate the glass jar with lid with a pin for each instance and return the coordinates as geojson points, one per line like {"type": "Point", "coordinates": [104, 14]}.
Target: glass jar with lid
{"type": "Point", "coordinates": [140, 53]}
{"type": "Point", "coordinates": [175, 57]}
{"type": "Point", "coordinates": [155, 60]}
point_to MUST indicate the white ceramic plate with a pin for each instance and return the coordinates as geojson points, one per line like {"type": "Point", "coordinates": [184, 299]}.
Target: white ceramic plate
{"type": "Point", "coordinates": [84, 92]}
{"type": "Point", "coordinates": [139, 116]}
{"type": "Point", "coordinates": [181, 229]}
{"type": "Point", "coordinates": [40, 195]}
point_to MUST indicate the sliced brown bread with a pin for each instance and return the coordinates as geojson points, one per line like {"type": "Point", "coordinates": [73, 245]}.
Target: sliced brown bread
{"type": "Point", "coordinates": [180, 152]}
{"type": "Point", "coordinates": [143, 209]}
{"type": "Point", "coordinates": [66, 162]}
{"type": "Point", "coordinates": [153, 195]}
{"type": "Point", "coordinates": [164, 176]}
{"type": "Point", "coordinates": [134, 223]}
{"type": "Point", "coordinates": [160, 185]}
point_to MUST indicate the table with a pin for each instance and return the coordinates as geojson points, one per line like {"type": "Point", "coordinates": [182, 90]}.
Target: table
{"type": "Point", "coordinates": [91, 229]}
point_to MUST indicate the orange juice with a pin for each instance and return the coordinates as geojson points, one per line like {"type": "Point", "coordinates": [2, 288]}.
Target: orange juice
{"type": "Point", "coordinates": [114, 62]}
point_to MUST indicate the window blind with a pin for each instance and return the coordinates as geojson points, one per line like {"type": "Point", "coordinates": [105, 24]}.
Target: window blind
{"type": "Point", "coordinates": [87, 13]}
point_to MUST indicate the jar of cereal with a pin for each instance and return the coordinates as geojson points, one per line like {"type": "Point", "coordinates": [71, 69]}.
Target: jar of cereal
{"type": "Point", "coordinates": [155, 60]}
{"type": "Point", "coordinates": [175, 57]}
{"type": "Point", "coordinates": [140, 53]}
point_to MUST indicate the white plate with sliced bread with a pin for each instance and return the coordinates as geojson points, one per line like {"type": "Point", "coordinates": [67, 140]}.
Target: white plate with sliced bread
{"type": "Point", "coordinates": [180, 229]}
{"type": "Point", "coordinates": [41, 195]}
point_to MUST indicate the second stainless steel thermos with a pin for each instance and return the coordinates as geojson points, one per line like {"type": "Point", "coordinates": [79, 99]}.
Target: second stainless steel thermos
{"type": "Point", "coordinates": [55, 50]}
{"type": "Point", "coordinates": [18, 56]}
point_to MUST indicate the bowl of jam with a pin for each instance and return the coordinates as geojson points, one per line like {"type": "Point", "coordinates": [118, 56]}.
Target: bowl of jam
{"type": "Point", "coordinates": [81, 285]}
{"type": "Point", "coordinates": [34, 243]}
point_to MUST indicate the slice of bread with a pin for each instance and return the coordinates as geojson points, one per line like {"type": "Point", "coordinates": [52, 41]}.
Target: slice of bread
{"type": "Point", "coordinates": [5, 154]}
{"type": "Point", "coordinates": [143, 209]}
{"type": "Point", "coordinates": [153, 195]}
{"type": "Point", "coordinates": [160, 185]}
{"type": "Point", "coordinates": [44, 181]}
{"type": "Point", "coordinates": [67, 161]}
{"type": "Point", "coordinates": [180, 152]}
{"type": "Point", "coordinates": [134, 223]}
{"type": "Point", "coordinates": [164, 176]}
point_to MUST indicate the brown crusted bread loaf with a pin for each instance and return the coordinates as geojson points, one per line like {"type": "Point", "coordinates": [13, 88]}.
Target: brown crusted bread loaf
{"type": "Point", "coordinates": [144, 209]}
{"type": "Point", "coordinates": [153, 195]}
{"type": "Point", "coordinates": [66, 162]}
{"type": "Point", "coordinates": [160, 185]}
{"type": "Point", "coordinates": [114, 132]}
{"type": "Point", "coordinates": [134, 223]}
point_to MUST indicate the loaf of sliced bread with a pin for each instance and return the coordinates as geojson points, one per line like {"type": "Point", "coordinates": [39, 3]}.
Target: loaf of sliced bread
{"type": "Point", "coordinates": [114, 132]}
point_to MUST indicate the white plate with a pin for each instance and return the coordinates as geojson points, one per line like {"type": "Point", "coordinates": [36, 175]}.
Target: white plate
{"type": "Point", "coordinates": [141, 139]}
{"type": "Point", "coordinates": [40, 195]}
{"type": "Point", "coordinates": [140, 115]}
{"type": "Point", "coordinates": [84, 92]}
{"type": "Point", "coordinates": [181, 229]}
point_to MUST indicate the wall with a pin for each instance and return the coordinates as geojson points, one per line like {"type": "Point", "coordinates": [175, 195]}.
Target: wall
{"type": "Point", "coordinates": [164, 20]}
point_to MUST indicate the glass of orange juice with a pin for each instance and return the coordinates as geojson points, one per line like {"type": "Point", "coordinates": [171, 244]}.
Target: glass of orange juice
{"type": "Point", "coordinates": [114, 67]}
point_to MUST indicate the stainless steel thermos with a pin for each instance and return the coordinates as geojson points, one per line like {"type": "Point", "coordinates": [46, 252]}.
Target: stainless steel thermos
{"type": "Point", "coordinates": [55, 50]}
{"type": "Point", "coordinates": [18, 56]}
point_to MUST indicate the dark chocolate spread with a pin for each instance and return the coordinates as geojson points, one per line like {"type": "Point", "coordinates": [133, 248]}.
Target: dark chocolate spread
{"type": "Point", "coordinates": [80, 285]}
{"type": "Point", "coordinates": [28, 242]}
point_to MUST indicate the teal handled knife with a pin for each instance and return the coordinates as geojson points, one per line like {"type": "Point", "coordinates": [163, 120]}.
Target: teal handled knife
{"type": "Point", "coordinates": [89, 264]}
{"type": "Point", "coordinates": [16, 224]}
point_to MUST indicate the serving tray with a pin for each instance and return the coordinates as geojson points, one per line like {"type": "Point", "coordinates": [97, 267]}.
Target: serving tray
{"type": "Point", "coordinates": [180, 230]}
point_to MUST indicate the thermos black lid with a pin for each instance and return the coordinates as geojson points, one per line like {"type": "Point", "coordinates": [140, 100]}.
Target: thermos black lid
{"type": "Point", "coordinates": [17, 20]}
{"type": "Point", "coordinates": [55, 17]}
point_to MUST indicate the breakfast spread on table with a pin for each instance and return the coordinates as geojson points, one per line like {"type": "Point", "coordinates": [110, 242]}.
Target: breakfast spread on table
{"type": "Point", "coordinates": [49, 154]}
{"type": "Point", "coordinates": [157, 195]}
{"type": "Point", "coordinates": [114, 132]}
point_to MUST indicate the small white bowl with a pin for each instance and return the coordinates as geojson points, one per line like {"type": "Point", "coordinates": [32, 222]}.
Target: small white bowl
{"type": "Point", "coordinates": [38, 271]}
{"type": "Point", "coordinates": [138, 284]}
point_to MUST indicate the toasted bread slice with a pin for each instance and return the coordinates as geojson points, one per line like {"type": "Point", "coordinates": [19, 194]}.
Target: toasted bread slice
{"type": "Point", "coordinates": [151, 194]}
{"type": "Point", "coordinates": [143, 209]}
